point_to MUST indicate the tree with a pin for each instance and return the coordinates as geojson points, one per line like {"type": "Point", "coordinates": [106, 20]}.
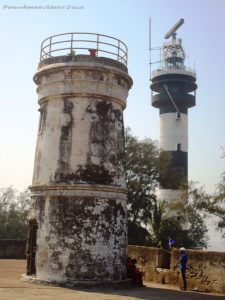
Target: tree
{"type": "Point", "coordinates": [145, 166]}
{"type": "Point", "coordinates": [179, 222]}
{"type": "Point", "coordinates": [142, 159]}
{"type": "Point", "coordinates": [13, 213]}
{"type": "Point", "coordinates": [219, 204]}
{"type": "Point", "coordinates": [143, 162]}
{"type": "Point", "coordinates": [138, 235]}
{"type": "Point", "coordinates": [162, 226]}
{"type": "Point", "coordinates": [191, 219]}
{"type": "Point", "coordinates": [211, 204]}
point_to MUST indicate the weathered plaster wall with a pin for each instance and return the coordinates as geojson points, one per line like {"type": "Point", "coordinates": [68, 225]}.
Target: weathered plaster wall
{"type": "Point", "coordinates": [83, 144]}
{"type": "Point", "coordinates": [81, 133]}
{"type": "Point", "coordinates": [79, 190]}
{"type": "Point", "coordinates": [205, 269]}
{"type": "Point", "coordinates": [81, 238]}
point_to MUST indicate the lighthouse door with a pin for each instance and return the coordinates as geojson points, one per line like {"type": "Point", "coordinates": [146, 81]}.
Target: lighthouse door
{"type": "Point", "coordinates": [31, 247]}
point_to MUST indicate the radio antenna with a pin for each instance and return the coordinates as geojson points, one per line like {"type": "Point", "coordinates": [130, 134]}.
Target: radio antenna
{"type": "Point", "coordinates": [150, 48]}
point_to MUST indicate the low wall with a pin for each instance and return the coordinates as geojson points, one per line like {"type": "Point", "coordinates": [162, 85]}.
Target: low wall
{"type": "Point", "coordinates": [205, 269]}
{"type": "Point", "coordinates": [12, 249]}
{"type": "Point", "coordinates": [149, 259]}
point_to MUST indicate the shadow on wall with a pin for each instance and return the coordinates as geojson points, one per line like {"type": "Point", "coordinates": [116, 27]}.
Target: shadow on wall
{"type": "Point", "coordinates": [205, 269]}
{"type": "Point", "coordinates": [12, 249]}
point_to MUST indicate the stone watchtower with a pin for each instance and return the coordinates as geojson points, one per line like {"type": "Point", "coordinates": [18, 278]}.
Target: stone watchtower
{"type": "Point", "coordinates": [78, 193]}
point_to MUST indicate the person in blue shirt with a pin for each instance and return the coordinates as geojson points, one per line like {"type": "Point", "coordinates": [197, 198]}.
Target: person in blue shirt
{"type": "Point", "coordinates": [183, 265]}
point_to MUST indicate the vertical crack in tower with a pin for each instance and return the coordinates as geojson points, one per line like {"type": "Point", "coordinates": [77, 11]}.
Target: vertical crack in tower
{"type": "Point", "coordinates": [173, 92]}
{"type": "Point", "coordinates": [79, 196]}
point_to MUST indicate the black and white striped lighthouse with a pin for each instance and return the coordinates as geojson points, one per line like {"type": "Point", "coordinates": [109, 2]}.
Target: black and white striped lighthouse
{"type": "Point", "coordinates": [173, 92]}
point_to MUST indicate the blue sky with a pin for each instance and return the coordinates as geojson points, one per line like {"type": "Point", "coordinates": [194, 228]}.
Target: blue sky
{"type": "Point", "coordinates": [203, 34]}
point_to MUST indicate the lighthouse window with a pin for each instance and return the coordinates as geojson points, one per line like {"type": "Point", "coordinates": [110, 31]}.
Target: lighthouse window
{"type": "Point", "coordinates": [174, 62]}
{"type": "Point", "coordinates": [177, 115]}
{"type": "Point", "coordinates": [42, 118]}
{"type": "Point", "coordinates": [178, 147]}
{"type": "Point", "coordinates": [40, 122]}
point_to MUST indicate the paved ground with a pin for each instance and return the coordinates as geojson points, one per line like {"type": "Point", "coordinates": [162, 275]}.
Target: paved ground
{"type": "Point", "coordinates": [12, 288]}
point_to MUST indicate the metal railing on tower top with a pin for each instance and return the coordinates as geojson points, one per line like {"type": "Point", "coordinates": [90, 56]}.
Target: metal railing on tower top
{"type": "Point", "coordinates": [165, 69]}
{"type": "Point", "coordinates": [93, 44]}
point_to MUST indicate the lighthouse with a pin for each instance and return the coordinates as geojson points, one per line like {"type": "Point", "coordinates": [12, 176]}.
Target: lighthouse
{"type": "Point", "coordinates": [78, 217]}
{"type": "Point", "coordinates": [173, 93]}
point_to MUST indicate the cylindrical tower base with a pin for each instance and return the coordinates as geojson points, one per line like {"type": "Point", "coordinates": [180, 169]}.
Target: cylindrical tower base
{"type": "Point", "coordinates": [81, 233]}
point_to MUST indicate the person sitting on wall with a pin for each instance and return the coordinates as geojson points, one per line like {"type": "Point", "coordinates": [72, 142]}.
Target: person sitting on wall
{"type": "Point", "coordinates": [129, 267]}
{"type": "Point", "coordinates": [183, 265]}
{"type": "Point", "coordinates": [134, 273]}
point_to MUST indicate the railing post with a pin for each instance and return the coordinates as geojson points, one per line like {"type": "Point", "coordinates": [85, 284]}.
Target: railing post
{"type": "Point", "coordinates": [118, 52]}
{"type": "Point", "coordinates": [50, 47]}
{"type": "Point", "coordinates": [41, 52]}
{"type": "Point", "coordinates": [71, 44]}
{"type": "Point", "coordinates": [126, 57]}
{"type": "Point", "coordinates": [97, 43]}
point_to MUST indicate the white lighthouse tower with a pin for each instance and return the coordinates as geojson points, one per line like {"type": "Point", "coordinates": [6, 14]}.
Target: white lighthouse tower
{"type": "Point", "coordinates": [173, 92]}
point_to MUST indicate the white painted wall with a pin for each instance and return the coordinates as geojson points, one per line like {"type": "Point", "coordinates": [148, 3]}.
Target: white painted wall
{"type": "Point", "coordinates": [173, 131]}
{"type": "Point", "coordinates": [80, 84]}
{"type": "Point", "coordinates": [168, 195]}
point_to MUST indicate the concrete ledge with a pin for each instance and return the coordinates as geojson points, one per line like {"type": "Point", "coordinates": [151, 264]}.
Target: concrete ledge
{"type": "Point", "coordinates": [79, 284]}
{"type": "Point", "coordinates": [84, 190]}
{"type": "Point", "coordinates": [83, 58]}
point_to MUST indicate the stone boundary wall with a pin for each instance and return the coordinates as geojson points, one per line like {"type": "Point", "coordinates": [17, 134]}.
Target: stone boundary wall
{"type": "Point", "coordinates": [205, 269]}
{"type": "Point", "coordinates": [12, 249]}
{"type": "Point", "coordinates": [149, 259]}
